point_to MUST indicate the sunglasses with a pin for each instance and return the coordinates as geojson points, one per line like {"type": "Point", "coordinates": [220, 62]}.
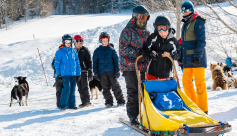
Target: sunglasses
{"type": "Point", "coordinates": [162, 27]}
{"type": "Point", "coordinates": [141, 17]}
{"type": "Point", "coordinates": [68, 41]}
{"type": "Point", "coordinates": [186, 10]}
{"type": "Point", "coordinates": [79, 40]}
{"type": "Point", "coordinates": [104, 36]}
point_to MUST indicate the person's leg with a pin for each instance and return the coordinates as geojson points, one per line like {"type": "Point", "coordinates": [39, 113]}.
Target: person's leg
{"type": "Point", "coordinates": [188, 84]}
{"type": "Point", "coordinates": [83, 88]}
{"type": "Point", "coordinates": [72, 98]}
{"type": "Point", "coordinates": [59, 86]}
{"type": "Point", "coordinates": [104, 79]}
{"type": "Point", "coordinates": [116, 88]}
{"type": "Point", "coordinates": [65, 92]}
{"type": "Point", "coordinates": [132, 93]}
{"type": "Point", "coordinates": [200, 83]}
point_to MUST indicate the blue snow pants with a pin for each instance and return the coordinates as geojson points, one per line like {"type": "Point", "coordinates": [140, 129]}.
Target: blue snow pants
{"type": "Point", "coordinates": [68, 98]}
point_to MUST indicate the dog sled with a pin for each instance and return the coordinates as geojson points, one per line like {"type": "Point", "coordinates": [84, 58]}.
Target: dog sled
{"type": "Point", "coordinates": [165, 110]}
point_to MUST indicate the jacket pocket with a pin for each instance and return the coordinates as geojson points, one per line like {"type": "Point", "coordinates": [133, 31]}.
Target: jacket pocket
{"type": "Point", "coordinates": [189, 52]}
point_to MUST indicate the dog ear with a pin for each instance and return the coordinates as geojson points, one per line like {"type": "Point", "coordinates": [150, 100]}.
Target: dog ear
{"type": "Point", "coordinates": [218, 63]}
{"type": "Point", "coordinates": [24, 77]}
{"type": "Point", "coordinates": [210, 64]}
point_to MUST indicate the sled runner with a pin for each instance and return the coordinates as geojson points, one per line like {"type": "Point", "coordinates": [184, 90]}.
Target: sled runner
{"type": "Point", "coordinates": [165, 110]}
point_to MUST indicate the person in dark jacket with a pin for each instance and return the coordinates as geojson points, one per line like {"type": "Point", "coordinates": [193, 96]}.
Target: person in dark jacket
{"type": "Point", "coordinates": [130, 47]}
{"type": "Point", "coordinates": [68, 69]}
{"type": "Point", "coordinates": [58, 84]}
{"type": "Point", "coordinates": [193, 55]}
{"type": "Point", "coordinates": [106, 70]}
{"type": "Point", "coordinates": [159, 46]}
{"type": "Point", "coordinates": [86, 70]}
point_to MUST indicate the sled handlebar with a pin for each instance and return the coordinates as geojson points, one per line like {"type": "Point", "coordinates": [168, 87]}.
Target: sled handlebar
{"type": "Point", "coordinates": [175, 76]}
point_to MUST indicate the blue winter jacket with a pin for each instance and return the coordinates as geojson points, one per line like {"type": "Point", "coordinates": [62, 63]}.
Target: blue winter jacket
{"type": "Point", "coordinates": [193, 42]}
{"type": "Point", "coordinates": [105, 60]}
{"type": "Point", "coordinates": [67, 62]}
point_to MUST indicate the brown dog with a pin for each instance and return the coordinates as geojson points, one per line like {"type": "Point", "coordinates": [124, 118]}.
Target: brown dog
{"type": "Point", "coordinates": [218, 78]}
{"type": "Point", "coordinates": [235, 83]}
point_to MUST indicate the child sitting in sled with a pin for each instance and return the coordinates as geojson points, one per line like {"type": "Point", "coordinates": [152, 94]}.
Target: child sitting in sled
{"type": "Point", "coordinates": [158, 47]}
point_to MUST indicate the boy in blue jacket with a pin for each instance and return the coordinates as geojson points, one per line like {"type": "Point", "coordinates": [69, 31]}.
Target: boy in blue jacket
{"type": "Point", "coordinates": [106, 70]}
{"type": "Point", "coordinates": [67, 69]}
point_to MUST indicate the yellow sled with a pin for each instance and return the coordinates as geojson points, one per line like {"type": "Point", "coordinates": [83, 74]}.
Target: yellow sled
{"type": "Point", "coordinates": [190, 120]}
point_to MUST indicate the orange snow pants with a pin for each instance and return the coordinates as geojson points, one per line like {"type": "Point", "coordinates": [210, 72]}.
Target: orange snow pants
{"type": "Point", "coordinates": [200, 96]}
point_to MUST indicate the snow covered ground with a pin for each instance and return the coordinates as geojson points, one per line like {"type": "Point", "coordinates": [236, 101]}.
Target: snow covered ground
{"type": "Point", "coordinates": [19, 57]}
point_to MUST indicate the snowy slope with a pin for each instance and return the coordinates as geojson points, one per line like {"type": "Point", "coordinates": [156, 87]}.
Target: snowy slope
{"type": "Point", "coordinates": [19, 56]}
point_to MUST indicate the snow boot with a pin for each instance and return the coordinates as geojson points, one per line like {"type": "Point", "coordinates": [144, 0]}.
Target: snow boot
{"type": "Point", "coordinates": [120, 105]}
{"type": "Point", "coordinates": [109, 105]}
{"type": "Point", "coordinates": [85, 104]}
{"type": "Point", "coordinates": [73, 108]}
{"type": "Point", "coordinates": [62, 108]}
{"type": "Point", "coordinates": [134, 122]}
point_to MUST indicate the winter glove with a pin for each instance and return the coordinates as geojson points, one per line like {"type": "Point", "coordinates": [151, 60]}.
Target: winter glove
{"type": "Point", "coordinates": [196, 62]}
{"type": "Point", "coordinates": [90, 75]}
{"type": "Point", "coordinates": [116, 74]}
{"type": "Point", "coordinates": [97, 76]}
{"type": "Point", "coordinates": [153, 56]}
{"type": "Point", "coordinates": [60, 80]}
{"type": "Point", "coordinates": [78, 78]}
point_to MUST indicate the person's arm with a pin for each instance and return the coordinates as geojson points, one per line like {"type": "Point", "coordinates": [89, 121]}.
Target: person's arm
{"type": "Point", "coordinates": [88, 60]}
{"type": "Point", "coordinates": [199, 28]}
{"type": "Point", "coordinates": [78, 67]}
{"type": "Point", "coordinates": [58, 58]}
{"type": "Point", "coordinates": [115, 60]}
{"type": "Point", "coordinates": [125, 44]}
{"type": "Point", "coordinates": [95, 61]}
{"type": "Point", "coordinates": [175, 52]}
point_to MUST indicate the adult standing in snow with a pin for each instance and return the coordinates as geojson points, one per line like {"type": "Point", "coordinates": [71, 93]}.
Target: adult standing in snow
{"type": "Point", "coordinates": [68, 70]}
{"type": "Point", "coordinates": [193, 55]}
{"type": "Point", "coordinates": [86, 70]}
{"type": "Point", "coordinates": [130, 47]}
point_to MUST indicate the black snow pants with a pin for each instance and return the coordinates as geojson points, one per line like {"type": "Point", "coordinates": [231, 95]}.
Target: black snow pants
{"type": "Point", "coordinates": [132, 92]}
{"type": "Point", "coordinates": [83, 88]}
{"type": "Point", "coordinates": [59, 86]}
{"type": "Point", "coordinates": [108, 81]}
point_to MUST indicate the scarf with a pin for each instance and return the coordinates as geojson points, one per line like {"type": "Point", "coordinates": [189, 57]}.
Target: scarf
{"type": "Point", "coordinates": [186, 18]}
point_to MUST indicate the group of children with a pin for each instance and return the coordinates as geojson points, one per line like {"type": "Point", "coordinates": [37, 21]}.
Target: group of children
{"type": "Point", "coordinates": [70, 66]}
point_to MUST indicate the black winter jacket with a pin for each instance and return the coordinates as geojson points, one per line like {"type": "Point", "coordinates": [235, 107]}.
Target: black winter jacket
{"type": "Point", "coordinates": [84, 58]}
{"type": "Point", "coordinates": [105, 60]}
{"type": "Point", "coordinates": [161, 66]}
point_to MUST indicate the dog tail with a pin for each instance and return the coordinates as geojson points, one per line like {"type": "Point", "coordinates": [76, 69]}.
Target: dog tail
{"type": "Point", "coordinates": [218, 88]}
{"type": "Point", "coordinates": [14, 93]}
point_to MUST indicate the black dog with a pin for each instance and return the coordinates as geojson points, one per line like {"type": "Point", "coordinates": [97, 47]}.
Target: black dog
{"type": "Point", "coordinates": [227, 69]}
{"type": "Point", "coordinates": [95, 84]}
{"type": "Point", "coordinates": [19, 90]}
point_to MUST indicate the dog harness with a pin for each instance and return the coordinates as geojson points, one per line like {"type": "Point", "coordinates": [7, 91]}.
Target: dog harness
{"type": "Point", "coordinates": [220, 79]}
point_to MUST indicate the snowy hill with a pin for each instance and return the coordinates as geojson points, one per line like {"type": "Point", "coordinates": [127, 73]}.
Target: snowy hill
{"type": "Point", "coordinates": [19, 57]}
